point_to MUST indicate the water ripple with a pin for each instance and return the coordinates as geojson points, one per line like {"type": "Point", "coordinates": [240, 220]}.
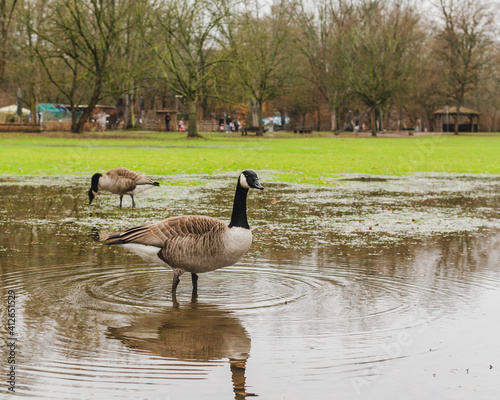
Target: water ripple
{"type": "Point", "coordinates": [97, 322]}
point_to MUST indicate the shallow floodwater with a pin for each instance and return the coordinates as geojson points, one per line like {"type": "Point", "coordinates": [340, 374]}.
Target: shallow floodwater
{"type": "Point", "coordinates": [372, 288]}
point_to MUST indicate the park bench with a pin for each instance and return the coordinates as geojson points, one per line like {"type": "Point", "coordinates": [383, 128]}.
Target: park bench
{"type": "Point", "coordinates": [13, 127]}
{"type": "Point", "coordinates": [303, 129]}
{"type": "Point", "coordinates": [244, 131]}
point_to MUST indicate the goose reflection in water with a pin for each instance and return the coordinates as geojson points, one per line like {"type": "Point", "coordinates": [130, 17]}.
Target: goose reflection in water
{"type": "Point", "coordinates": [198, 332]}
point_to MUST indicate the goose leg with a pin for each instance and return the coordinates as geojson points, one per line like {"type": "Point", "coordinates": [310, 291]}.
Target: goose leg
{"type": "Point", "coordinates": [194, 279]}
{"type": "Point", "coordinates": [175, 282]}
{"type": "Point", "coordinates": [121, 198]}
{"type": "Point", "coordinates": [133, 202]}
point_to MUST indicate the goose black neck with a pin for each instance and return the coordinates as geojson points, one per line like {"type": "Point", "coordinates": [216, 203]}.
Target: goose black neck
{"type": "Point", "coordinates": [95, 182]}
{"type": "Point", "coordinates": [239, 216]}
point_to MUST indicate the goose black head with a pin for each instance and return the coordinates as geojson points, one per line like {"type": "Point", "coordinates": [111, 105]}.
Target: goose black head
{"type": "Point", "coordinates": [249, 179]}
{"type": "Point", "coordinates": [94, 187]}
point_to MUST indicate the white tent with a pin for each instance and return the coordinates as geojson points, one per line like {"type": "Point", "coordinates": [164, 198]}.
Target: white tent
{"type": "Point", "coordinates": [13, 110]}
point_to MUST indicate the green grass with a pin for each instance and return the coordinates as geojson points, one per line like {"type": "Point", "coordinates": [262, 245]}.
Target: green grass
{"type": "Point", "coordinates": [299, 158]}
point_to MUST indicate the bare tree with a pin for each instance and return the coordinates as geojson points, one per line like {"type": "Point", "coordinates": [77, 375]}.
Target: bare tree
{"type": "Point", "coordinates": [383, 46]}
{"type": "Point", "coordinates": [323, 34]}
{"type": "Point", "coordinates": [7, 9]}
{"type": "Point", "coordinates": [187, 46]}
{"type": "Point", "coordinates": [421, 98]}
{"type": "Point", "coordinates": [463, 40]}
{"type": "Point", "coordinates": [23, 63]}
{"type": "Point", "coordinates": [261, 46]}
{"type": "Point", "coordinates": [85, 33]}
{"type": "Point", "coordinates": [488, 89]}
{"type": "Point", "coordinates": [131, 62]}
{"type": "Point", "coordinates": [63, 72]}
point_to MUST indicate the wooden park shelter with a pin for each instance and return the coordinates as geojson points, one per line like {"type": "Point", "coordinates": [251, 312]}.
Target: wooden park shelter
{"type": "Point", "coordinates": [447, 120]}
{"type": "Point", "coordinates": [160, 120]}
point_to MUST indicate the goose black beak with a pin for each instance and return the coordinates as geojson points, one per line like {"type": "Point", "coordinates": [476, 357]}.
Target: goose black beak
{"type": "Point", "coordinates": [257, 185]}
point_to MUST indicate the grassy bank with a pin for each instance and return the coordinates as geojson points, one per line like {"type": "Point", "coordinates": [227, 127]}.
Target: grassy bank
{"type": "Point", "coordinates": [298, 158]}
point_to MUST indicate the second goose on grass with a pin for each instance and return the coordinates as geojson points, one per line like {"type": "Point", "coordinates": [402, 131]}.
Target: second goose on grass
{"type": "Point", "coordinates": [120, 181]}
{"type": "Point", "coordinates": [194, 243]}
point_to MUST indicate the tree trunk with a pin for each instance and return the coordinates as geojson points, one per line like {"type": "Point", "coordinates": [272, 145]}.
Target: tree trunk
{"type": "Point", "coordinates": [255, 114]}
{"type": "Point", "coordinates": [387, 118]}
{"type": "Point", "coordinates": [430, 121]}
{"type": "Point", "coordinates": [3, 60]}
{"type": "Point", "coordinates": [96, 95]}
{"type": "Point", "coordinates": [74, 119]}
{"type": "Point", "coordinates": [192, 130]}
{"type": "Point", "coordinates": [5, 25]}
{"type": "Point", "coordinates": [204, 107]}
{"type": "Point", "coordinates": [87, 113]}
{"type": "Point", "coordinates": [457, 118]}
{"type": "Point", "coordinates": [125, 106]}
{"type": "Point", "coordinates": [493, 118]}
{"type": "Point", "coordinates": [373, 120]}
{"type": "Point", "coordinates": [333, 119]}
{"type": "Point", "coordinates": [260, 132]}
{"type": "Point", "coordinates": [33, 103]}
{"type": "Point", "coordinates": [131, 114]}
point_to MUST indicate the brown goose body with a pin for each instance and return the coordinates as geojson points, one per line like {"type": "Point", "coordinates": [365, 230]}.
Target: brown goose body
{"type": "Point", "coordinates": [194, 243]}
{"type": "Point", "coordinates": [190, 243]}
{"type": "Point", "coordinates": [120, 181]}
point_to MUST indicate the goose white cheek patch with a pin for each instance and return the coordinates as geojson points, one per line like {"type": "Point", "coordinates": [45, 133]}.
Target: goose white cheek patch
{"type": "Point", "coordinates": [243, 182]}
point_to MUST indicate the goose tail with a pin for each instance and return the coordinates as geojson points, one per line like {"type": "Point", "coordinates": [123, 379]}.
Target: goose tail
{"type": "Point", "coordinates": [139, 234]}
{"type": "Point", "coordinates": [115, 238]}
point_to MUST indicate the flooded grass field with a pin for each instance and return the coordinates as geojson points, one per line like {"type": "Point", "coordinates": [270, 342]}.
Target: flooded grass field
{"type": "Point", "coordinates": [372, 287]}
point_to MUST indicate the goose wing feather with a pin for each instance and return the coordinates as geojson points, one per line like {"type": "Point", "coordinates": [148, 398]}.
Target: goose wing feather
{"type": "Point", "coordinates": [123, 173]}
{"type": "Point", "coordinates": [133, 177]}
{"type": "Point", "coordinates": [125, 181]}
{"type": "Point", "coordinates": [198, 250]}
{"type": "Point", "coordinates": [192, 243]}
{"type": "Point", "coordinates": [119, 180]}
{"type": "Point", "coordinates": [143, 180]}
{"type": "Point", "coordinates": [170, 229]}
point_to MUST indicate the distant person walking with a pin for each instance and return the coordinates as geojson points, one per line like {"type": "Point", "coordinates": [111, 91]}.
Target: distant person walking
{"type": "Point", "coordinates": [181, 125]}
{"type": "Point", "coordinates": [221, 124]}
{"type": "Point", "coordinates": [167, 122]}
{"type": "Point", "coordinates": [228, 123]}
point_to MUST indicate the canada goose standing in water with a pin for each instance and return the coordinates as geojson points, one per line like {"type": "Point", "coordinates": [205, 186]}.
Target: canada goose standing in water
{"type": "Point", "coordinates": [194, 243]}
{"type": "Point", "coordinates": [120, 181]}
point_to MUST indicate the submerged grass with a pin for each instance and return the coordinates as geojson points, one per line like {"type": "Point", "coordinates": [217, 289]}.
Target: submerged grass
{"type": "Point", "coordinates": [359, 213]}
{"type": "Point", "coordinates": [302, 159]}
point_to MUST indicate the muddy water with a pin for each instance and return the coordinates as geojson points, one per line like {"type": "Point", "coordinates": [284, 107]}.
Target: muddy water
{"type": "Point", "coordinates": [370, 288]}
